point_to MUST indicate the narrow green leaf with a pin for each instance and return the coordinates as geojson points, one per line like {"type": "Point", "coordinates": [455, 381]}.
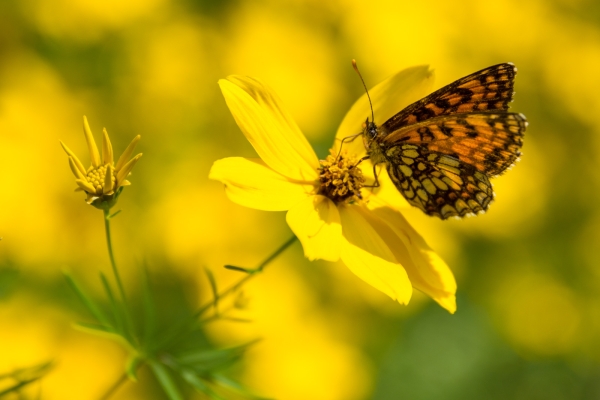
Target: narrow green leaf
{"type": "Point", "coordinates": [246, 270]}
{"type": "Point", "coordinates": [191, 378]}
{"type": "Point", "coordinates": [235, 319]}
{"type": "Point", "coordinates": [149, 309]}
{"type": "Point", "coordinates": [114, 215]}
{"type": "Point", "coordinates": [87, 301]}
{"type": "Point", "coordinates": [119, 320]}
{"type": "Point", "coordinates": [165, 380]}
{"type": "Point", "coordinates": [213, 286]}
{"type": "Point", "coordinates": [132, 367]}
{"type": "Point", "coordinates": [39, 369]}
{"type": "Point", "coordinates": [25, 376]}
{"type": "Point", "coordinates": [18, 386]}
{"type": "Point", "coordinates": [209, 360]}
{"type": "Point", "coordinates": [228, 383]}
{"type": "Point", "coordinates": [123, 321]}
{"type": "Point", "coordinates": [234, 386]}
{"type": "Point", "coordinates": [206, 357]}
{"type": "Point", "coordinates": [96, 328]}
{"type": "Point", "coordinates": [197, 383]}
{"type": "Point", "coordinates": [200, 356]}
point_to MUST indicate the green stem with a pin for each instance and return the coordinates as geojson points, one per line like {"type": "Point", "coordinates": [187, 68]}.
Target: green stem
{"type": "Point", "coordinates": [251, 273]}
{"type": "Point", "coordinates": [112, 256]}
{"type": "Point", "coordinates": [114, 387]}
{"type": "Point", "coordinates": [176, 330]}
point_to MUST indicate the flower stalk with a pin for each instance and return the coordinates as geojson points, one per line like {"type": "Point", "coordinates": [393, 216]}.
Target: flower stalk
{"type": "Point", "coordinates": [250, 274]}
{"type": "Point", "coordinates": [107, 218]}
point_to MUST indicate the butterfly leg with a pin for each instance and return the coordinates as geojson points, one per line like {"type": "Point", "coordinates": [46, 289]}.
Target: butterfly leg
{"type": "Point", "coordinates": [361, 160]}
{"type": "Point", "coordinates": [376, 184]}
{"type": "Point", "coordinates": [348, 139]}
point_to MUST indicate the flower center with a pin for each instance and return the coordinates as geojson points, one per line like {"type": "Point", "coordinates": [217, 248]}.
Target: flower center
{"type": "Point", "coordinates": [95, 176]}
{"type": "Point", "coordinates": [340, 179]}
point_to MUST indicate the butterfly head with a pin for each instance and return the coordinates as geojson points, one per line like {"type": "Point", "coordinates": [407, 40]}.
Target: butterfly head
{"type": "Point", "coordinates": [370, 130]}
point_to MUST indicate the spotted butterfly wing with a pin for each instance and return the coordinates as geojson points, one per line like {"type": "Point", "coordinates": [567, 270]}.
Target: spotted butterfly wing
{"type": "Point", "coordinates": [441, 151]}
{"type": "Point", "coordinates": [488, 89]}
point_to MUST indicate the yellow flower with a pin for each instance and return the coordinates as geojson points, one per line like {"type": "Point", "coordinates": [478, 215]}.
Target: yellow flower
{"type": "Point", "coordinates": [326, 209]}
{"type": "Point", "coordinates": [103, 181]}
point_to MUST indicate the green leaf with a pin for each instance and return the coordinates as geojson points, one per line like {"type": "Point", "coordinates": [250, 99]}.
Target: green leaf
{"type": "Point", "coordinates": [165, 380]}
{"type": "Point", "coordinates": [87, 301]}
{"type": "Point", "coordinates": [114, 215]}
{"type": "Point", "coordinates": [191, 378]}
{"type": "Point", "coordinates": [240, 269]}
{"type": "Point", "coordinates": [149, 308]}
{"type": "Point", "coordinates": [196, 382]}
{"type": "Point", "coordinates": [18, 386]}
{"type": "Point", "coordinates": [132, 367]}
{"type": "Point", "coordinates": [99, 329]}
{"type": "Point", "coordinates": [39, 369]}
{"type": "Point", "coordinates": [210, 359]}
{"type": "Point", "coordinates": [25, 376]}
{"type": "Point", "coordinates": [235, 386]}
{"type": "Point", "coordinates": [119, 320]}
{"type": "Point", "coordinates": [123, 322]}
{"type": "Point", "coordinates": [213, 286]}
{"type": "Point", "coordinates": [235, 319]}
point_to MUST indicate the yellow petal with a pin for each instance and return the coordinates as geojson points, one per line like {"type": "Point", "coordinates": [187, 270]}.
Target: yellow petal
{"type": "Point", "coordinates": [75, 169]}
{"type": "Point", "coordinates": [316, 223]}
{"type": "Point", "coordinates": [426, 270]}
{"type": "Point", "coordinates": [85, 185]}
{"type": "Point", "coordinates": [389, 97]}
{"type": "Point", "coordinates": [251, 183]}
{"type": "Point", "coordinates": [107, 151]}
{"type": "Point", "coordinates": [367, 255]}
{"type": "Point", "coordinates": [269, 128]}
{"type": "Point", "coordinates": [78, 163]}
{"type": "Point", "coordinates": [127, 153]}
{"type": "Point", "coordinates": [108, 184]}
{"type": "Point", "coordinates": [124, 172]}
{"type": "Point", "coordinates": [94, 155]}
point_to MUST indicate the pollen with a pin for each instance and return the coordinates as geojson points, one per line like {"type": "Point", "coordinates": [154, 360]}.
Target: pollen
{"type": "Point", "coordinates": [341, 179]}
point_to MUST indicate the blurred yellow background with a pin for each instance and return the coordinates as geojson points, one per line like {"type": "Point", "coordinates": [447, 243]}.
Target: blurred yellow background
{"type": "Point", "coordinates": [528, 271]}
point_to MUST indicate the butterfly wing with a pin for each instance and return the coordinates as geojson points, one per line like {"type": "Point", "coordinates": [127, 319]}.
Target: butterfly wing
{"type": "Point", "coordinates": [438, 184]}
{"type": "Point", "coordinates": [489, 142]}
{"type": "Point", "coordinates": [441, 151]}
{"type": "Point", "coordinates": [442, 165]}
{"type": "Point", "coordinates": [486, 90]}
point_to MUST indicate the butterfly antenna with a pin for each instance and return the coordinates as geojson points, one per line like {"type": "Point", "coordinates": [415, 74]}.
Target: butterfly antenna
{"type": "Point", "coordinates": [365, 86]}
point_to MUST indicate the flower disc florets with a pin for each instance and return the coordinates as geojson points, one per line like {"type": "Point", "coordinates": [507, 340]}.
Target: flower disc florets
{"type": "Point", "coordinates": [341, 179]}
{"type": "Point", "coordinates": [96, 177]}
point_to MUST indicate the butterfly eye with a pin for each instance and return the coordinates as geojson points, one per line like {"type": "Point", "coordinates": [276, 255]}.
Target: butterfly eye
{"type": "Point", "coordinates": [372, 130]}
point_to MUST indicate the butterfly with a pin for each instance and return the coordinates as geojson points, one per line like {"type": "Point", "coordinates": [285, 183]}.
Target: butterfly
{"type": "Point", "coordinates": [441, 151]}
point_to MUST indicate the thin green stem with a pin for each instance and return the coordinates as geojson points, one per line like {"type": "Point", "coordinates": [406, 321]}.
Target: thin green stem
{"type": "Point", "coordinates": [251, 273]}
{"type": "Point", "coordinates": [191, 321]}
{"type": "Point", "coordinates": [112, 256]}
{"type": "Point", "coordinates": [114, 387]}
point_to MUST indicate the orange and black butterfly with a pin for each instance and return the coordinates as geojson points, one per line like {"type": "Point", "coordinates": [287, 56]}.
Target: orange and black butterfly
{"type": "Point", "coordinates": [441, 151]}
